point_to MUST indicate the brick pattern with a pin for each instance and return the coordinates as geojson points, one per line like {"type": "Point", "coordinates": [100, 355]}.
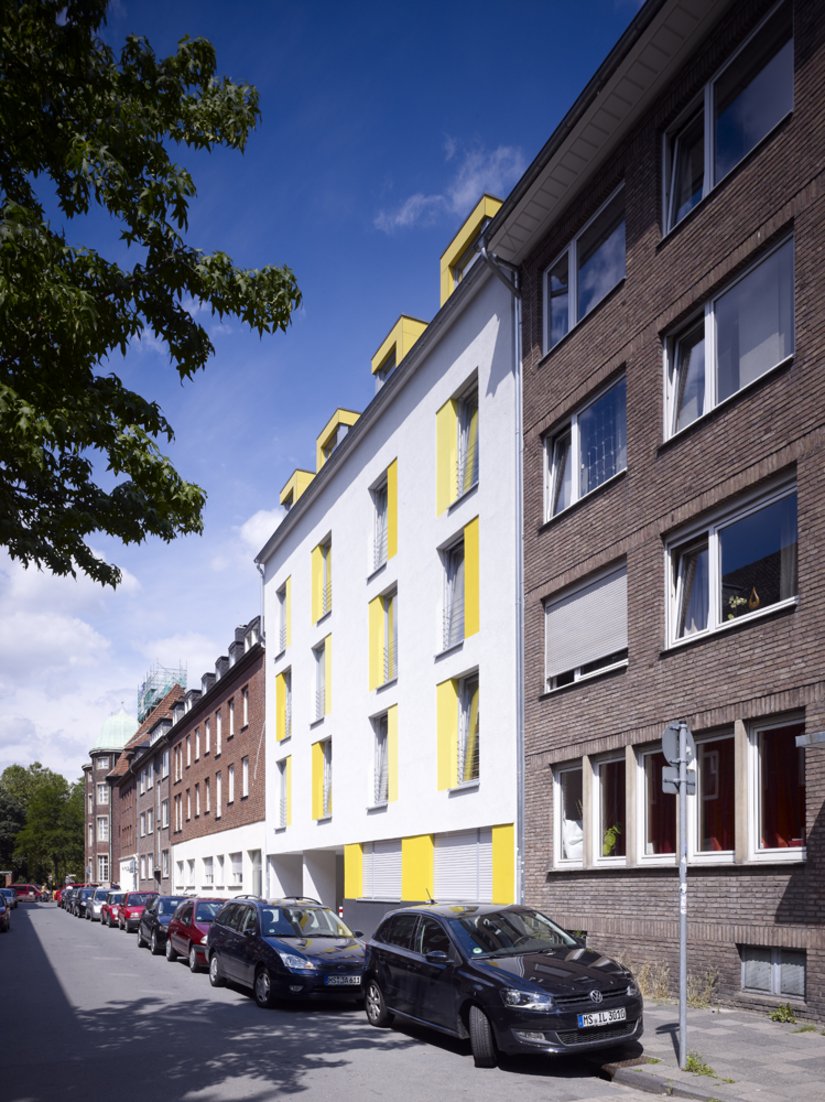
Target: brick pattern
{"type": "Point", "coordinates": [763, 668]}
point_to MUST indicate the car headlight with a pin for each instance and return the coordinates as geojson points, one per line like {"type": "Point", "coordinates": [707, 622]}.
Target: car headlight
{"type": "Point", "coordinates": [632, 989]}
{"type": "Point", "coordinates": [297, 964]}
{"type": "Point", "coordinates": [526, 1000]}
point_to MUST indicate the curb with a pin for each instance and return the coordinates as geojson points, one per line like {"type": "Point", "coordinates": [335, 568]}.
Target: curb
{"type": "Point", "coordinates": [669, 1084]}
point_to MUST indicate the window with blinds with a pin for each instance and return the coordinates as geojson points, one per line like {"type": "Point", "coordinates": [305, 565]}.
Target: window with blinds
{"type": "Point", "coordinates": [463, 866]}
{"type": "Point", "coordinates": [381, 776]}
{"type": "Point", "coordinates": [454, 595]}
{"type": "Point", "coordinates": [586, 629]}
{"type": "Point", "coordinates": [381, 869]}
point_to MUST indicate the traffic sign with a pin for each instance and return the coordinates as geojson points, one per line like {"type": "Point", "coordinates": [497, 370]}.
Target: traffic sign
{"type": "Point", "coordinates": [670, 780]}
{"type": "Point", "coordinates": [670, 744]}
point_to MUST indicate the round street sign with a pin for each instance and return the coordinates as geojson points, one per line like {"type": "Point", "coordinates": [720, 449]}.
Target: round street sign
{"type": "Point", "coordinates": [670, 743]}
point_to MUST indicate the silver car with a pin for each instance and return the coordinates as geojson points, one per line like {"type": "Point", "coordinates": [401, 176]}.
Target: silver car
{"type": "Point", "coordinates": [94, 904]}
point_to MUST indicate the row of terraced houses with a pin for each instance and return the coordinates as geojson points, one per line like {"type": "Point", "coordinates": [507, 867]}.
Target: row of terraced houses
{"type": "Point", "coordinates": [586, 499]}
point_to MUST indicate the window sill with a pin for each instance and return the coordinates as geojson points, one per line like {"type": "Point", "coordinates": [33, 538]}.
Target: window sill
{"type": "Point", "coordinates": [377, 807]}
{"type": "Point", "coordinates": [317, 722]}
{"type": "Point", "coordinates": [323, 819]}
{"type": "Point", "coordinates": [322, 619]}
{"type": "Point", "coordinates": [377, 570]}
{"type": "Point", "coordinates": [616, 667]}
{"type": "Point", "coordinates": [729, 625]}
{"type": "Point", "coordinates": [279, 655]}
{"type": "Point", "coordinates": [617, 477]}
{"type": "Point", "coordinates": [464, 786]}
{"type": "Point", "coordinates": [453, 648]}
{"type": "Point", "coordinates": [280, 830]}
{"type": "Point", "coordinates": [387, 684]}
{"type": "Point", "coordinates": [791, 855]}
{"type": "Point", "coordinates": [462, 497]}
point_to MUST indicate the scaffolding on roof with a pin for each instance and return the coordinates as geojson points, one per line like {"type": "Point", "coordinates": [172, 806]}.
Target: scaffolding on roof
{"type": "Point", "coordinates": [156, 685]}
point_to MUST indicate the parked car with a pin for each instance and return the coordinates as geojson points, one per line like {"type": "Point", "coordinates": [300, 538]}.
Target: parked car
{"type": "Point", "coordinates": [189, 926]}
{"type": "Point", "coordinates": [287, 948]}
{"type": "Point", "coordinates": [80, 899]}
{"type": "Point", "coordinates": [507, 977]}
{"type": "Point", "coordinates": [94, 904]}
{"type": "Point", "coordinates": [10, 896]}
{"type": "Point", "coordinates": [131, 908]}
{"type": "Point", "coordinates": [27, 892]}
{"type": "Point", "coordinates": [5, 915]}
{"type": "Point", "coordinates": [110, 911]}
{"type": "Point", "coordinates": [154, 922]}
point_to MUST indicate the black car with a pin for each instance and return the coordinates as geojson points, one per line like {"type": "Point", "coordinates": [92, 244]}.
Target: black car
{"type": "Point", "coordinates": [79, 900]}
{"type": "Point", "coordinates": [284, 949]}
{"type": "Point", "coordinates": [508, 978]}
{"type": "Point", "coordinates": [155, 919]}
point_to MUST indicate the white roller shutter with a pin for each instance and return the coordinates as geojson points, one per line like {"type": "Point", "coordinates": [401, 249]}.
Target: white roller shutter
{"type": "Point", "coordinates": [382, 870]}
{"type": "Point", "coordinates": [587, 624]}
{"type": "Point", "coordinates": [464, 866]}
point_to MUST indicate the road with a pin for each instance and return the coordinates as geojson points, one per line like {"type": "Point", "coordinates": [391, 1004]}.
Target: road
{"type": "Point", "coordinates": [86, 1014]}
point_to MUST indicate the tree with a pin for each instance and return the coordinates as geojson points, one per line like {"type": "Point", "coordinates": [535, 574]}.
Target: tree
{"type": "Point", "coordinates": [84, 131]}
{"type": "Point", "coordinates": [51, 842]}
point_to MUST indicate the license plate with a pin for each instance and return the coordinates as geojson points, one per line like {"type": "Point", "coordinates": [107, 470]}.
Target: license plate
{"type": "Point", "coordinates": [342, 981]}
{"type": "Point", "coordinates": [602, 1017]}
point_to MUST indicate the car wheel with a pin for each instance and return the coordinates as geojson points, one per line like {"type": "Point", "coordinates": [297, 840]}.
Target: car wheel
{"type": "Point", "coordinates": [263, 988]}
{"type": "Point", "coordinates": [376, 1008]}
{"type": "Point", "coordinates": [170, 952]}
{"type": "Point", "coordinates": [141, 941]}
{"type": "Point", "coordinates": [215, 974]}
{"type": "Point", "coordinates": [482, 1044]}
{"type": "Point", "coordinates": [154, 944]}
{"type": "Point", "coordinates": [194, 965]}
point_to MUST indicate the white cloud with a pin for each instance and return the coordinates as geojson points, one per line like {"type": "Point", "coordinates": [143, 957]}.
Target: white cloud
{"type": "Point", "coordinates": [479, 171]}
{"type": "Point", "coordinates": [255, 531]}
{"type": "Point", "coordinates": [194, 650]}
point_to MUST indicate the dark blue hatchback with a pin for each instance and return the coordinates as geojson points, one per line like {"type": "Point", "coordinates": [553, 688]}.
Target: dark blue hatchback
{"type": "Point", "coordinates": [284, 949]}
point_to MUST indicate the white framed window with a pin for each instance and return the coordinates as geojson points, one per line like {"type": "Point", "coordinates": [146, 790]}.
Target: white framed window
{"type": "Point", "coordinates": [178, 813]}
{"type": "Point", "coordinates": [245, 706]}
{"type": "Point", "coordinates": [103, 868]}
{"type": "Point", "coordinates": [743, 333]}
{"type": "Point", "coordinates": [164, 864]}
{"type": "Point", "coordinates": [776, 777]}
{"type": "Point", "coordinates": [283, 608]}
{"type": "Point", "coordinates": [142, 873]}
{"type": "Point", "coordinates": [103, 828]}
{"type": "Point", "coordinates": [150, 822]}
{"type": "Point", "coordinates": [179, 882]}
{"type": "Point", "coordinates": [381, 773]}
{"type": "Point", "coordinates": [178, 762]}
{"type": "Point", "coordinates": [143, 824]}
{"type": "Point", "coordinates": [656, 810]}
{"type": "Point", "coordinates": [218, 795]}
{"type": "Point", "coordinates": [326, 791]}
{"type": "Point", "coordinates": [569, 813]}
{"type": "Point", "coordinates": [231, 710]}
{"type": "Point", "coordinates": [739, 107]}
{"type": "Point", "coordinates": [610, 809]}
{"type": "Point", "coordinates": [207, 796]}
{"type": "Point", "coordinates": [773, 971]}
{"type": "Point", "coordinates": [468, 443]}
{"type": "Point", "coordinates": [586, 271]}
{"type": "Point", "coordinates": [320, 695]}
{"type": "Point", "coordinates": [90, 802]}
{"type": "Point", "coordinates": [103, 793]}
{"type": "Point", "coordinates": [589, 450]}
{"type": "Point", "coordinates": [325, 578]}
{"type": "Point", "coordinates": [283, 794]}
{"type": "Point", "coordinates": [739, 565]}
{"type": "Point", "coordinates": [188, 804]}
{"type": "Point", "coordinates": [197, 744]}
{"type": "Point", "coordinates": [208, 871]}
{"type": "Point", "coordinates": [230, 784]}
{"type": "Point", "coordinates": [287, 703]}
{"type": "Point", "coordinates": [244, 778]}
{"type": "Point", "coordinates": [197, 801]}
{"type": "Point", "coordinates": [218, 741]}
{"type": "Point", "coordinates": [90, 834]}
{"type": "Point", "coordinates": [164, 765]}
{"type": "Point", "coordinates": [188, 751]}
{"type": "Point", "coordinates": [380, 541]}
{"type": "Point", "coordinates": [220, 879]}
{"type": "Point", "coordinates": [468, 730]}
{"type": "Point", "coordinates": [190, 873]}
{"type": "Point", "coordinates": [389, 608]}
{"type": "Point", "coordinates": [586, 629]}
{"type": "Point", "coordinates": [164, 814]}
{"type": "Point", "coordinates": [207, 735]}
{"type": "Point", "coordinates": [236, 864]}
{"type": "Point", "coordinates": [103, 763]}
{"type": "Point", "coordinates": [713, 809]}
{"type": "Point", "coordinates": [453, 615]}
{"type": "Point", "coordinates": [142, 782]}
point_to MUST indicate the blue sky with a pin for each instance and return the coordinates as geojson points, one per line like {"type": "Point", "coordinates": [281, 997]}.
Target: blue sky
{"type": "Point", "coordinates": [382, 124]}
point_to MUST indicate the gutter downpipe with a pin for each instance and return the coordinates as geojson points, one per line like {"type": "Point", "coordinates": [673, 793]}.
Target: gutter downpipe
{"type": "Point", "coordinates": [509, 276]}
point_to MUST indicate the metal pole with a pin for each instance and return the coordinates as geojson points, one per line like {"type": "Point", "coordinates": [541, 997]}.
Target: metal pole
{"type": "Point", "coordinates": [682, 894]}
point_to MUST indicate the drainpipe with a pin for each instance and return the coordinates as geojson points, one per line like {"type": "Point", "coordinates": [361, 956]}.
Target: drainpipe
{"type": "Point", "coordinates": [510, 276]}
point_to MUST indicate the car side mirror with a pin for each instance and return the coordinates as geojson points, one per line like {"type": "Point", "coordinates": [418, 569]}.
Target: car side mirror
{"type": "Point", "coordinates": [357, 933]}
{"type": "Point", "coordinates": [436, 956]}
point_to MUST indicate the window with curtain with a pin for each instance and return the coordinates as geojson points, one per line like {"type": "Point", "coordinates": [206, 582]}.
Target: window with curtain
{"type": "Point", "coordinates": [612, 807]}
{"type": "Point", "coordinates": [569, 801]}
{"type": "Point", "coordinates": [780, 765]}
{"type": "Point", "coordinates": [659, 808]}
{"type": "Point", "coordinates": [586, 629]}
{"type": "Point", "coordinates": [715, 795]}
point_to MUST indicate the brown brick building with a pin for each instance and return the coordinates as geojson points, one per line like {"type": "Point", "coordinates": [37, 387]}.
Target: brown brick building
{"type": "Point", "coordinates": [670, 237]}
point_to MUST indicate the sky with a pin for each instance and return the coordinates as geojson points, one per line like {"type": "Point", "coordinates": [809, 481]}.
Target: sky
{"type": "Point", "coordinates": [381, 126]}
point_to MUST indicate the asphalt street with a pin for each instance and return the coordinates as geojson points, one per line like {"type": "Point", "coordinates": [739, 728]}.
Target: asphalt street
{"type": "Point", "coordinates": [86, 1014]}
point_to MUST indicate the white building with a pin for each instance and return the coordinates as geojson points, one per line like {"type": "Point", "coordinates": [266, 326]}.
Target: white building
{"type": "Point", "coordinates": [391, 610]}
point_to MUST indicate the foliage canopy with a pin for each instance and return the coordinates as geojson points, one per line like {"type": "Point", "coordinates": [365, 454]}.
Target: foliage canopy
{"type": "Point", "coordinates": [84, 130]}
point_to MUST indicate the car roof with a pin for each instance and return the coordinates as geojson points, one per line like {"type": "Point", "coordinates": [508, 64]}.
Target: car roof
{"type": "Point", "coordinates": [456, 910]}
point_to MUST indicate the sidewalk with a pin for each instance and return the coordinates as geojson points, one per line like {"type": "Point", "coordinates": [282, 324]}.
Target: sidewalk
{"type": "Point", "coordinates": [751, 1057]}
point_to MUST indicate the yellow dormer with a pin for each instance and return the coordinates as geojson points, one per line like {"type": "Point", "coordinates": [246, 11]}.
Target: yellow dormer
{"type": "Point", "coordinates": [298, 482]}
{"type": "Point", "coordinates": [460, 254]}
{"type": "Point", "coordinates": [332, 434]}
{"type": "Point", "coordinates": [396, 345]}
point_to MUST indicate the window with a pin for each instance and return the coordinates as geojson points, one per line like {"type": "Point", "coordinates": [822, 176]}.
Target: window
{"type": "Point", "coordinates": [569, 805]}
{"type": "Point", "coordinates": [611, 808]}
{"type": "Point", "coordinates": [468, 730]}
{"type": "Point", "coordinates": [188, 804]}
{"type": "Point", "coordinates": [244, 707]}
{"type": "Point", "coordinates": [743, 333]}
{"type": "Point", "coordinates": [208, 871]}
{"type": "Point", "coordinates": [207, 796]}
{"type": "Point", "coordinates": [236, 863]}
{"type": "Point", "coordinates": [320, 705]}
{"type": "Point", "coordinates": [178, 813]}
{"type": "Point", "coordinates": [586, 629]}
{"type": "Point", "coordinates": [103, 867]}
{"type": "Point", "coordinates": [178, 762]}
{"type": "Point", "coordinates": [283, 793]}
{"type": "Point", "coordinates": [197, 744]}
{"type": "Point", "coordinates": [659, 813]}
{"type": "Point", "coordinates": [142, 824]}
{"type": "Point", "coordinates": [230, 784]}
{"type": "Point", "coordinates": [150, 776]}
{"type": "Point", "coordinates": [772, 971]}
{"type": "Point", "coordinates": [90, 803]}
{"type": "Point", "coordinates": [737, 567]}
{"type": "Point", "coordinates": [588, 269]}
{"type": "Point", "coordinates": [142, 782]}
{"type": "Point", "coordinates": [389, 604]}
{"type": "Point", "coordinates": [322, 779]}
{"type": "Point", "coordinates": [467, 468]}
{"type": "Point", "coordinates": [777, 790]}
{"type": "Point", "coordinates": [282, 597]}
{"type": "Point", "coordinates": [382, 870]}
{"type": "Point", "coordinates": [218, 794]}
{"type": "Point", "coordinates": [283, 705]}
{"type": "Point", "coordinates": [322, 579]}
{"type": "Point", "coordinates": [381, 524]}
{"type": "Point", "coordinates": [164, 814]}
{"type": "Point", "coordinates": [91, 835]}
{"type": "Point", "coordinates": [715, 795]}
{"type": "Point", "coordinates": [454, 595]}
{"type": "Point", "coordinates": [164, 765]}
{"type": "Point", "coordinates": [188, 751]}
{"type": "Point", "coordinates": [103, 793]}
{"type": "Point", "coordinates": [738, 108]}
{"type": "Point", "coordinates": [197, 801]}
{"type": "Point", "coordinates": [218, 741]}
{"type": "Point", "coordinates": [150, 821]}
{"type": "Point", "coordinates": [380, 785]}
{"type": "Point", "coordinates": [219, 874]}
{"type": "Point", "coordinates": [231, 708]}
{"type": "Point", "coordinates": [244, 778]}
{"type": "Point", "coordinates": [103, 763]}
{"type": "Point", "coordinates": [164, 864]}
{"type": "Point", "coordinates": [588, 451]}
{"type": "Point", "coordinates": [103, 828]}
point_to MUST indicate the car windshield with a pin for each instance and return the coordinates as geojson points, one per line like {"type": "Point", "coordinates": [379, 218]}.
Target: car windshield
{"type": "Point", "coordinates": [137, 899]}
{"type": "Point", "coordinates": [506, 933]}
{"type": "Point", "coordinates": [205, 912]}
{"type": "Point", "coordinates": [302, 922]}
{"type": "Point", "coordinates": [115, 897]}
{"type": "Point", "coordinates": [169, 906]}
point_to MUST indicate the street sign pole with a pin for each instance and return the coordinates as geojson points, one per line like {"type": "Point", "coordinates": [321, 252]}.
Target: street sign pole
{"type": "Point", "coordinates": [683, 784]}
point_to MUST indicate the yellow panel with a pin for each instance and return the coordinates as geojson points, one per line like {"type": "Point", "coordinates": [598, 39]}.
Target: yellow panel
{"type": "Point", "coordinates": [328, 675]}
{"type": "Point", "coordinates": [447, 726]}
{"type": "Point", "coordinates": [340, 417]}
{"type": "Point", "coordinates": [353, 871]}
{"type": "Point", "coordinates": [292, 490]}
{"type": "Point", "coordinates": [486, 207]}
{"type": "Point", "coordinates": [417, 867]}
{"type": "Point", "coordinates": [392, 508]}
{"type": "Point", "coordinates": [288, 610]}
{"type": "Point", "coordinates": [288, 784]}
{"type": "Point", "coordinates": [472, 610]}
{"type": "Point", "coordinates": [317, 583]}
{"type": "Point", "coordinates": [446, 456]}
{"type": "Point", "coordinates": [280, 707]}
{"type": "Point", "coordinates": [317, 780]}
{"type": "Point", "coordinates": [392, 753]}
{"type": "Point", "coordinates": [504, 864]}
{"type": "Point", "coordinates": [401, 337]}
{"type": "Point", "coordinates": [376, 643]}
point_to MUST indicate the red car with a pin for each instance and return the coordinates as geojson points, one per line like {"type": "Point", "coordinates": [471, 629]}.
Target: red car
{"type": "Point", "coordinates": [26, 891]}
{"type": "Point", "coordinates": [188, 929]}
{"type": "Point", "coordinates": [110, 911]}
{"type": "Point", "coordinates": [131, 908]}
